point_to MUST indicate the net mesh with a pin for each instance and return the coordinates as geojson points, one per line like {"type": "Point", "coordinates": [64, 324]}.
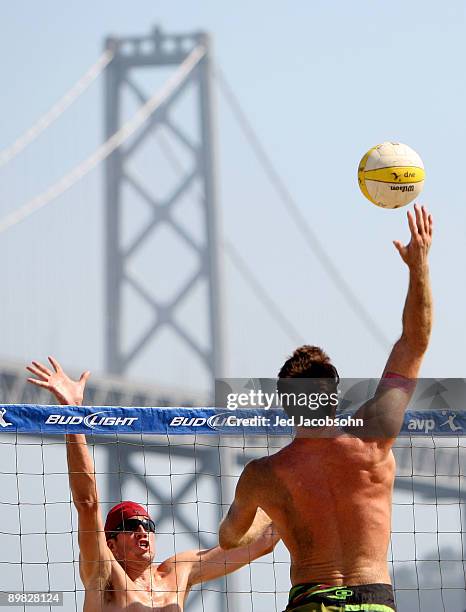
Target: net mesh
{"type": "Point", "coordinates": [187, 482]}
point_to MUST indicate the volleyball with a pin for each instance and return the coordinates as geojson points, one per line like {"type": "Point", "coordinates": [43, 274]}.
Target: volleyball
{"type": "Point", "coordinates": [391, 175]}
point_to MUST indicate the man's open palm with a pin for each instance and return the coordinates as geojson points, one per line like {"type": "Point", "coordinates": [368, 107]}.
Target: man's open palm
{"type": "Point", "coordinates": [67, 391]}
{"type": "Point", "coordinates": [420, 225]}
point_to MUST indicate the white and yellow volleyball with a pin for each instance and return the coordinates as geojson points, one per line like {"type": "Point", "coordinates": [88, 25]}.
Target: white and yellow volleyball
{"type": "Point", "coordinates": [391, 175]}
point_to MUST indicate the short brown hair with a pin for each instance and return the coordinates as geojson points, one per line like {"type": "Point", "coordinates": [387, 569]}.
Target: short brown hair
{"type": "Point", "coordinates": [307, 362]}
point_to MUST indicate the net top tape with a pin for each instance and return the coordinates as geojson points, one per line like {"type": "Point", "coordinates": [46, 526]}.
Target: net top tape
{"type": "Point", "coordinates": [32, 418]}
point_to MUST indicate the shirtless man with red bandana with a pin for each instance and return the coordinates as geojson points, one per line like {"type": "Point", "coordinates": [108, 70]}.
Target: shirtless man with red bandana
{"type": "Point", "coordinates": [116, 558]}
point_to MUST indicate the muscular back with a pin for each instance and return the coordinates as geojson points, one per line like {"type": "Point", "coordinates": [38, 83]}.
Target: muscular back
{"type": "Point", "coordinates": [330, 499]}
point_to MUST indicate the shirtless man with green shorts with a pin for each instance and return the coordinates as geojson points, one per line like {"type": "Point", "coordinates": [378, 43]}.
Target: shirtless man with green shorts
{"type": "Point", "coordinates": [329, 494]}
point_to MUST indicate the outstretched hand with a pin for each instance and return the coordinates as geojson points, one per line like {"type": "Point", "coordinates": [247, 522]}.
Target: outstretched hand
{"type": "Point", "coordinates": [67, 391]}
{"type": "Point", "coordinates": [414, 254]}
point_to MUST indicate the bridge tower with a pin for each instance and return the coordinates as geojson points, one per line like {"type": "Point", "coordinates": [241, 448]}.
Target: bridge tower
{"type": "Point", "coordinates": [135, 56]}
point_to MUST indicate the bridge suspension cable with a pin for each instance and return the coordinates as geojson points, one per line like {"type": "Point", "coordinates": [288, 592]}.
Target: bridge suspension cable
{"type": "Point", "coordinates": [102, 152]}
{"type": "Point", "coordinates": [263, 296]}
{"type": "Point", "coordinates": [298, 218]}
{"type": "Point", "coordinates": [46, 120]}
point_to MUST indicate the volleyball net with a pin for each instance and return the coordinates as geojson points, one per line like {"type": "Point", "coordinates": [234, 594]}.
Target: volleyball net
{"type": "Point", "coordinates": [183, 465]}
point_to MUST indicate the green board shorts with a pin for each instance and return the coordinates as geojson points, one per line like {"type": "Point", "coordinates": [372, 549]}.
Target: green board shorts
{"type": "Point", "coordinates": [312, 597]}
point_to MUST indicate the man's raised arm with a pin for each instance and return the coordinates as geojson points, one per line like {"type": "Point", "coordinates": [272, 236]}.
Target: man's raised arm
{"type": "Point", "coordinates": [384, 414]}
{"type": "Point", "coordinates": [92, 543]}
{"type": "Point", "coordinates": [407, 354]}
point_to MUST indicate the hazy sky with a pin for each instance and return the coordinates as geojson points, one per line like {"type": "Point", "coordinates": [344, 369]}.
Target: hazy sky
{"type": "Point", "coordinates": [321, 82]}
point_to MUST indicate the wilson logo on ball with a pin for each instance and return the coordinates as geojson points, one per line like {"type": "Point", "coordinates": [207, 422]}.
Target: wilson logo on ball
{"type": "Point", "coordinates": [391, 175]}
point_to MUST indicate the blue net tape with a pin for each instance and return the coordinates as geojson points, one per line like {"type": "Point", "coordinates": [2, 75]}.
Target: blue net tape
{"type": "Point", "coordinates": [31, 418]}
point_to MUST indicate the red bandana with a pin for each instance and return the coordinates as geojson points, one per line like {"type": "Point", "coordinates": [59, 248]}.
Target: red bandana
{"type": "Point", "coordinates": [121, 512]}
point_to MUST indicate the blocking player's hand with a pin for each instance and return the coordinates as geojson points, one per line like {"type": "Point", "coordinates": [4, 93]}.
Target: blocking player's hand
{"type": "Point", "coordinates": [415, 253]}
{"type": "Point", "coordinates": [67, 391]}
